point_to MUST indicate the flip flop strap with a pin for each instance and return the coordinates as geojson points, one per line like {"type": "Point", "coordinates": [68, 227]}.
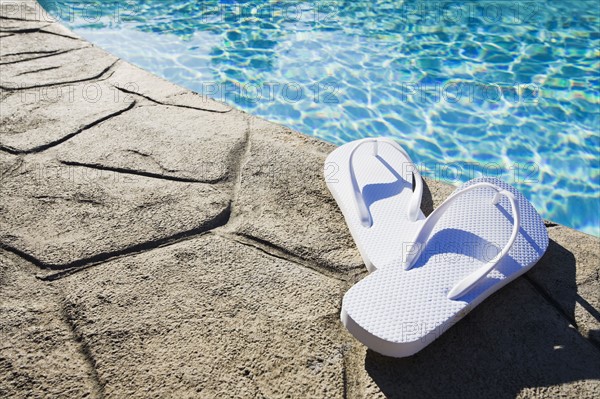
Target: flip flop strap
{"type": "Point", "coordinates": [470, 281]}
{"type": "Point", "coordinates": [363, 210]}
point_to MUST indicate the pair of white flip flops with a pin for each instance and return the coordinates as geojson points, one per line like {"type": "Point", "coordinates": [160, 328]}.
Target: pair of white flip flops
{"type": "Point", "coordinates": [426, 273]}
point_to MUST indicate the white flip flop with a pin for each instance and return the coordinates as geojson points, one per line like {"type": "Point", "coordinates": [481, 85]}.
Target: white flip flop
{"type": "Point", "coordinates": [372, 181]}
{"type": "Point", "coordinates": [482, 237]}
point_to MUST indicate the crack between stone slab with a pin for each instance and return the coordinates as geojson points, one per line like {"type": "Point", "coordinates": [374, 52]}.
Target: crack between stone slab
{"type": "Point", "coordinates": [149, 156]}
{"type": "Point", "coordinates": [15, 151]}
{"type": "Point", "coordinates": [78, 269]}
{"type": "Point", "coordinates": [167, 104]}
{"type": "Point", "coordinates": [237, 162]}
{"type": "Point", "coordinates": [241, 157]}
{"type": "Point", "coordinates": [38, 70]}
{"type": "Point", "coordinates": [25, 30]}
{"type": "Point", "coordinates": [344, 379]}
{"type": "Point", "coordinates": [352, 365]}
{"type": "Point", "coordinates": [42, 30]}
{"type": "Point", "coordinates": [48, 54]}
{"type": "Point", "coordinates": [96, 77]}
{"type": "Point", "coordinates": [276, 252]}
{"type": "Point", "coordinates": [238, 154]}
{"type": "Point", "coordinates": [78, 200]}
{"type": "Point", "coordinates": [31, 52]}
{"type": "Point", "coordinates": [141, 173]}
{"type": "Point", "coordinates": [219, 220]}
{"type": "Point", "coordinates": [11, 168]}
{"type": "Point", "coordinates": [84, 350]}
{"type": "Point", "coordinates": [156, 162]}
{"type": "Point", "coordinates": [552, 302]}
{"type": "Point", "coordinates": [24, 20]}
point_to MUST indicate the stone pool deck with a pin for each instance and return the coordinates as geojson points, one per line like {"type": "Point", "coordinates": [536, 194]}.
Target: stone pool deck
{"type": "Point", "coordinates": [156, 243]}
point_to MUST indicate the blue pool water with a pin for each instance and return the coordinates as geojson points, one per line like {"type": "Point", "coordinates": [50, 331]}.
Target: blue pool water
{"type": "Point", "coordinates": [502, 88]}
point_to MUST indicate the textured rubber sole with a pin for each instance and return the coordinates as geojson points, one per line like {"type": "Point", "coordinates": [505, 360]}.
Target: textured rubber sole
{"type": "Point", "coordinates": [398, 312]}
{"type": "Point", "coordinates": [387, 183]}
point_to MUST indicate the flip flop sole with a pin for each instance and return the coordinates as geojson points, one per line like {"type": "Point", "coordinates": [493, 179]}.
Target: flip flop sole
{"type": "Point", "coordinates": [398, 312]}
{"type": "Point", "coordinates": [387, 187]}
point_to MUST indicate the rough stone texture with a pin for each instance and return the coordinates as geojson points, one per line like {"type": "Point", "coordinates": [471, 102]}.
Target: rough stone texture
{"type": "Point", "coordinates": [39, 355]}
{"type": "Point", "coordinates": [282, 198]}
{"type": "Point", "coordinates": [17, 26]}
{"type": "Point", "coordinates": [62, 216]}
{"type": "Point", "coordinates": [136, 80]}
{"type": "Point", "coordinates": [13, 58]}
{"type": "Point", "coordinates": [8, 164]}
{"type": "Point", "coordinates": [38, 44]}
{"type": "Point", "coordinates": [36, 119]}
{"type": "Point", "coordinates": [569, 273]}
{"type": "Point", "coordinates": [229, 287]}
{"type": "Point", "coordinates": [260, 326]}
{"type": "Point", "coordinates": [161, 140]}
{"type": "Point", "coordinates": [59, 30]}
{"type": "Point", "coordinates": [69, 67]}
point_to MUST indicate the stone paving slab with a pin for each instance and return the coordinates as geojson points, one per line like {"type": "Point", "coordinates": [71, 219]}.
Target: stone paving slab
{"type": "Point", "coordinates": [63, 216]}
{"type": "Point", "coordinates": [16, 49]}
{"type": "Point", "coordinates": [16, 26]}
{"type": "Point", "coordinates": [36, 119]}
{"type": "Point", "coordinates": [283, 200]}
{"type": "Point", "coordinates": [59, 30]}
{"type": "Point", "coordinates": [8, 164]}
{"type": "Point", "coordinates": [69, 67]}
{"type": "Point", "coordinates": [136, 80]}
{"type": "Point", "coordinates": [166, 141]}
{"type": "Point", "coordinates": [14, 58]}
{"type": "Point", "coordinates": [209, 317]}
{"type": "Point", "coordinates": [39, 354]}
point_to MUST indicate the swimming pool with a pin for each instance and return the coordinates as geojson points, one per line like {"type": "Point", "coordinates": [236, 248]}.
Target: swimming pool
{"type": "Point", "coordinates": [501, 88]}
